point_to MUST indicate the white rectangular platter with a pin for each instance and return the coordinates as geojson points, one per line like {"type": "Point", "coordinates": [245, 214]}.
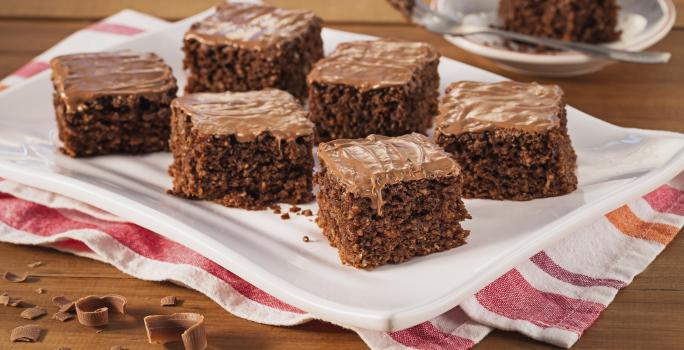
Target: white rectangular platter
{"type": "Point", "coordinates": [615, 165]}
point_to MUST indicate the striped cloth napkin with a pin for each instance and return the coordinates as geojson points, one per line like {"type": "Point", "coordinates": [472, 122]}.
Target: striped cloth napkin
{"type": "Point", "coordinates": [553, 297]}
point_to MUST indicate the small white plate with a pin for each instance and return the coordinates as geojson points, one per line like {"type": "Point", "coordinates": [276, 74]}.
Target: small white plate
{"type": "Point", "coordinates": [615, 164]}
{"type": "Point", "coordinates": [643, 23]}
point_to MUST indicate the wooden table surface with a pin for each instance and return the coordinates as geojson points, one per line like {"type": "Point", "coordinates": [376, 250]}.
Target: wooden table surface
{"type": "Point", "coordinates": [647, 314]}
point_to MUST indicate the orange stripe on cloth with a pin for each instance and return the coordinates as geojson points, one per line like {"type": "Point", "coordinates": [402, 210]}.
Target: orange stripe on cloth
{"type": "Point", "coordinates": [3, 87]}
{"type": "Point", "coordinates": [629, 224]}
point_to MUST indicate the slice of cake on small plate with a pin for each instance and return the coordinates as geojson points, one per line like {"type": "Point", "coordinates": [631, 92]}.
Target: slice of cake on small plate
{"type": "Point", "coordinates": [242, 149]}
{"type": "Point", "coordinates": [510, 138]}
{"type": "Point", "coordinates": [386, 199]}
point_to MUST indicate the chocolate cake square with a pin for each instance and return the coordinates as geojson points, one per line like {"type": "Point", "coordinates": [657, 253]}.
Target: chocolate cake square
{"type": "Point", "coordinates": [510, 139]}
{"type": "Point", "coordinates": [112, 102]}
{"type": "Point", "coordinates": [242, 149]}
{"type": "Point", "coordinates": [386, 199]}
{"type": "Point", "coordinates": [387, 87]}
{"type": "Point", "coordinates": [591, 21]}
{"type": "Point", "coordinates": [244, 47]}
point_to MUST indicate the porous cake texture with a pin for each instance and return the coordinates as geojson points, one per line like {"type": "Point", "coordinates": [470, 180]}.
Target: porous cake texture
{"type": "Point", "coordinates": [510, 139]}
{"type": "Point", "coordinates": [386, 199]}
{"type": "Point", "coordinates": [112, 102]}
{"type": "Point", "coordinates": [386, 86]}
{"type": "Point", "coordinates": [245, 47]}
{"type": "Point", "coordinates": [242, 149]}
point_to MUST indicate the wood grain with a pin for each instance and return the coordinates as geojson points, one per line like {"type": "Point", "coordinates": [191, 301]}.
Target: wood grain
{"type": "Point", "coordinates": [647, 314]}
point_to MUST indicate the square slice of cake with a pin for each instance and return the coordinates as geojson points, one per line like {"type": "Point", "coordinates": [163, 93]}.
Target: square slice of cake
{"type": "Point", "coordinates": [510, 139]}
{"type": "Point", "coordinates": [387, 87]}
{"type": "Point", "coordinates": [242, 149]}
{"type": "Point", "coordinates": [112, 102]}
{"type": "Point", "coordinates": [591, 21]}
{"type": "Point", "coordinates": [245, 47]}
{"type": "Point", "coordinates": [386, 199]}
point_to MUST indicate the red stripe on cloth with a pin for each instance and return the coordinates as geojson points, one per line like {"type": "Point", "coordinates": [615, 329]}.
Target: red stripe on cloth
{"type": "Point", "coordinates": [666, 199]}
{"type": "Point", "coordinates": [426, 336]}
{"type": "Point", "coordinates": [511, 296]}
{"type": "Point", "coordinates": [30, 69]}
{"type": "Point", "coordinates": [113, 28]}
{"type": "Point", "coordinates": [544, 262]}
{"type": "Point", "coordinates": [71, 245]}
{"type": "Point", "coordinates": [44, 221]}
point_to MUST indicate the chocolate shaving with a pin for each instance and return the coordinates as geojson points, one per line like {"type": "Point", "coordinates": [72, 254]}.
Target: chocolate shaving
{"type": "Point", "coordinates": [35, 264]}
{"type": "Point", "coordinates": [33, 313]}
{"type": "Point", "coordinates": [188, 327]}
{"type": "Point", "coordinates": [14, 302]}
{"type": "Point", "coordinates": [40, 290]}
{"type": "Point", "coordinates": [63, 316]}
{"type": "Point", "coordinates": [168, 301]}
{"type": "Point", "coordinates": [64, 304]}
{"type": "Point", "coordinates": [8, 276]}
{"type": "Point", "coordinates": [294, 209]}
{"type": "Point", "coordinates": [4, 299]}
{"type": "Point", "coordinates": [99, 331]}
{"type": "Point", "coordinates": [307, 212]}
{"type": "Point", "coordinates": [27, 333]}
{"type": "Point", "coordinates": [306, 239]}
{"type": "Point", "coordinates": [285, 216]}
{"type": "Point", "coordinates": [93, 311]}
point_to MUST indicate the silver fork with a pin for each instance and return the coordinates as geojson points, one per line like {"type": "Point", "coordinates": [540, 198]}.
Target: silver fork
{"type": "Point", "coordinates": [433, 21]}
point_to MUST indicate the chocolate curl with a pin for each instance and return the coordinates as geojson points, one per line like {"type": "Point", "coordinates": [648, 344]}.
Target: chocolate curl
{"type": "Point", "coordinates": [188, 327]}
{"type": "Point", "coordinates": [62, 316]}
{"type": "Point", "coordinates": [28, 333]}
{"type": "Point", "coordinates": [33, 313]}
{"type": "Point", "coordinates": [93, 311]}
{"type": "Point", "coordinates": [35, 264]}
{"type": "Point", "coordinates": [168, 301]}
{"type": "Point", "coordinates": [64, 304]}
{"type": "Point", "coordinates": [8, 276]}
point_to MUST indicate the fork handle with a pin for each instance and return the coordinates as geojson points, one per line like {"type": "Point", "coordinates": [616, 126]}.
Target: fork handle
{"type": "Point", "coordinates": [644, 57]}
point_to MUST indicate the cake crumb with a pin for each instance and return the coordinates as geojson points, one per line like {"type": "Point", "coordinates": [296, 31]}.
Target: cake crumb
{"type": "Point", "coordinates": [276, 209]}
{"type": "Point", "coordinates": [306, 239]}
{"type": "Point", "coordinates": [307, 212]}
{"type": "Point", "coordinates": [294, 209]}
{"type": "Point", "coordinates": [40, 290]}
{"type": "Point", "coordinates": [99, 331]}
{"type": "Point", "coordinates": [285, 216]}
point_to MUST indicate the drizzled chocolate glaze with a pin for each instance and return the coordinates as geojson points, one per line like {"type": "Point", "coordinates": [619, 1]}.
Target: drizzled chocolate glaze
{"type": "Point", "coordinates": [246, 114]}
{"type": "Point", "coordinates": [474, 106]}
{"type": "Point", "coordinates": [366, 166]}
{"type": "Point", "coordinates": [82, 77]}
{"type": "Point", "coordinates": [373, 64]}
{"type": "Point", "coordinates": [250, 25]}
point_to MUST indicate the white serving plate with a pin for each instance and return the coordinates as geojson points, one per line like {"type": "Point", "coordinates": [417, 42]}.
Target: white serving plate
{"type": "Point", "coordinates": [615, 164]}
{"type": "Point", "coordinates": [643, 23]}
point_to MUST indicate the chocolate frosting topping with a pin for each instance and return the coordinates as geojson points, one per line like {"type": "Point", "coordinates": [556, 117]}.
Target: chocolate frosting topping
{"type": "Point", "coordinates": [249, 24]}
{"type": "Point", "coordinates": [246, 114]}
{"type": "Point", "coordinates": [367, 165]}
{"type": "Point", "coordinates": [373, 64]}
{"type": "Point", "coordinates": [84, 76]}
{"type": "Point", "coordinates": [473, 106]}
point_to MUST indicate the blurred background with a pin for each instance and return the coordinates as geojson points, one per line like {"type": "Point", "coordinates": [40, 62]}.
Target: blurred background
{"type": "Point", "coordinates": [29, 27]}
